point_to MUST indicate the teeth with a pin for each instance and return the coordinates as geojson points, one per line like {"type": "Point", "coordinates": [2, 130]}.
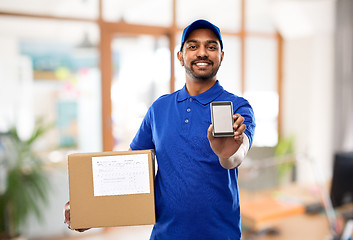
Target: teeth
{"type": "Point", "coordinates": [201, 64]}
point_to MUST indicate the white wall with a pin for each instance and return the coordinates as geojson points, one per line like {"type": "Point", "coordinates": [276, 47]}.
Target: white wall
{"type": "Point", "coordinates": [308, 100]}
{"type": "Point", "coordinates": [308, 80]}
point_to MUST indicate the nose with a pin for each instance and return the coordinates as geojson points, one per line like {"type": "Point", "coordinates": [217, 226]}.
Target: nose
{"type": "Point", "coordinates": [202, 51]}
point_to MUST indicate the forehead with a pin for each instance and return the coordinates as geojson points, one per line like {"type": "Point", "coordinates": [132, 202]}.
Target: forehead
{"type": "Point", "coordinates": [202, 34]}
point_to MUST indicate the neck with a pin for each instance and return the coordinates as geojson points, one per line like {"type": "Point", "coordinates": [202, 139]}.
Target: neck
{"type": "Point", "coordinates": [197, 87]}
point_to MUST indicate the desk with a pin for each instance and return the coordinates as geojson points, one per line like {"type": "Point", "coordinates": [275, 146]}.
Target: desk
{"type": "Point", "coordinates": [301, 226]}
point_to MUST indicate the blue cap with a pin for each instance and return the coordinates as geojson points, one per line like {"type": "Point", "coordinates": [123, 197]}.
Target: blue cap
{"type": "Point", "coordinates": [200, 24]}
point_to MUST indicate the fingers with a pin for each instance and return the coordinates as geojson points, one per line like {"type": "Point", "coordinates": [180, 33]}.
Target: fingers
{"type": "Point", "coordinates": [82, 229]}
{"type": "Point", "coordinates": [209, 132]}
{"type": "Point", "coordinates": [238, 135]}
{"type": "Point", "coordinates": [67, 214]}
{"type": "Point", "coordinates": [67, 220]}
{"type": "Point", "coordinates": [238, 120]}
{"type": "Point", "coordinates": [239, 127]}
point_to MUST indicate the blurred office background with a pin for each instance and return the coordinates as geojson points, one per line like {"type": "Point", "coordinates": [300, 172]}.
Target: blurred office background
{"type": "Point", "coordinates": [91, 69]}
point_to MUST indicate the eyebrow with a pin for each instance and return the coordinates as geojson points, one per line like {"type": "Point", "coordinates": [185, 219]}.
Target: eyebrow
{"type": "Point", "coordinates": [195, 41]}
{"type": "Point", "coordinates": [191, 41]}
{"type": "Point", "coordinates": [212, 41]}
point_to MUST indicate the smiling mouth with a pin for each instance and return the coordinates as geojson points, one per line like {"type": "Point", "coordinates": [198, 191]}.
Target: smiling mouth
{"type": "Point", "coordinates": [202, 64]}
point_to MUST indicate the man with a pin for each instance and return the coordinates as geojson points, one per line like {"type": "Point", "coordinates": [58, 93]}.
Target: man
{"type": "Point", "coordinates": [196, 186]}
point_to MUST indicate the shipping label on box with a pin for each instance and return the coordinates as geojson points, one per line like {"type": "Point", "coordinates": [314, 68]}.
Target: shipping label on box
{"type": "Point", "coordinates": [111, 189]}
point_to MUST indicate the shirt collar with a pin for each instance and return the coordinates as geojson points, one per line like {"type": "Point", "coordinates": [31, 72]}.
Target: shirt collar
{"type": "Point", "coordinates": [205, 97]}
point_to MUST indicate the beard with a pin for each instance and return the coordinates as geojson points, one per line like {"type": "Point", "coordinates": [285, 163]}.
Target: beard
{"type": "Point", "coordinates": [201, 77]}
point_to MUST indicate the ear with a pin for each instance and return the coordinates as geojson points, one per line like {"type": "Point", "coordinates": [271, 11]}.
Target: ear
{"type": "Point", "coordinates": [180, 58]}
{"type": "Point", "coordinates": [222, 56]}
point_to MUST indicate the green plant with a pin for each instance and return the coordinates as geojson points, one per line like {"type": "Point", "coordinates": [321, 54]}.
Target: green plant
{"type": "Point", "coordinates": [24, 182]}
{"type": "Point", "coordinates": [284, 152]}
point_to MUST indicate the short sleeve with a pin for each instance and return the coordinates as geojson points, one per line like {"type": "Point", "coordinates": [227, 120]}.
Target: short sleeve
{"type": "Point", "coordinates": [244, 108]}
{"type": "Point", "coordinates": [143, 139]}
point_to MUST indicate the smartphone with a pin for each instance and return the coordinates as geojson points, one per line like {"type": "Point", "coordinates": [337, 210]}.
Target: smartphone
{"type": "Point", "coordinates": [222, 119]}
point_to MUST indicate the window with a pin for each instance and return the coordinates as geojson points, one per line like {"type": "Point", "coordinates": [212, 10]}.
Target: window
{"type": "Point", "coordinates": [54, 78]}
{"type": "Point", "coordinates": [63, 8]}
{"type": "Point", "coordinates": [145, 12]}
{"type": "Point", "coordinates": [148, 30]}
{"type": "Point", "coordinates": [141, 74]}
{"type": "Point", "coordinates": [261, 88]}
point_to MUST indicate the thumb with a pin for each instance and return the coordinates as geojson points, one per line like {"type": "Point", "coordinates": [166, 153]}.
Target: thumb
{"type": "Point", "coordinates": [209, 132]}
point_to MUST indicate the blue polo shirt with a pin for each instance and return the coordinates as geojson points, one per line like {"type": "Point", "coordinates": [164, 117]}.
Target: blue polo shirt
{"type": "Point", "coordinates": [196, 198]}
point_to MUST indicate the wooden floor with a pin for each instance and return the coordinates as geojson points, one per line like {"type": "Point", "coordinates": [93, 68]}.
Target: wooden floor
{"type": "Point", "coordinates": [116, 233]}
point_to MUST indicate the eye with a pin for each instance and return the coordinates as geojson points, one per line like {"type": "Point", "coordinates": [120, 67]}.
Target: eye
{"type": "Point", "coordinates": [191, 47]}
{"type": "Point", "coordinates": [212, 48]}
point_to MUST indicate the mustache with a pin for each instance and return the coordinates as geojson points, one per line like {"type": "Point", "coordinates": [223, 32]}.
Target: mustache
{"type": "Point", "coordinates": [202, 59]}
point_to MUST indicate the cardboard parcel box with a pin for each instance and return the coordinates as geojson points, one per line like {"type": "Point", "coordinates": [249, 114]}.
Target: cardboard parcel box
{"type": "Point", "coordinates": [111, 189]}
